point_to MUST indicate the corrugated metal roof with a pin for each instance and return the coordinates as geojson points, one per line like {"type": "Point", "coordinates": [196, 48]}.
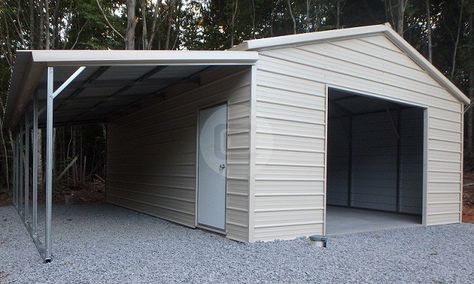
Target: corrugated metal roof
{"type": "Point", "coordinates": [112, 80]}
{"type": "Point", "coordinates": [99, 99]}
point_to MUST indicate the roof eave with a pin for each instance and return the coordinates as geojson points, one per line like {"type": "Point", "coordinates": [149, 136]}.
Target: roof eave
{"type": "Point", "coordinates": [25, 78]}
{"type": "Point", "coordinates": [303, 38]}
{"type": "Point", "coordinates": [299, 39]}
{"type": "Point", "coordinates": [426, 65]}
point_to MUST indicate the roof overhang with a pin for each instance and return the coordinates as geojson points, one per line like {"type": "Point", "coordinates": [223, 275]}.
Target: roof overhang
{"type": "Point", "coordinates": [30, 67]}
{"type": "Point", "coordinates": [140, 57]}
{"type": "Point", "coordinates": [314, 37]}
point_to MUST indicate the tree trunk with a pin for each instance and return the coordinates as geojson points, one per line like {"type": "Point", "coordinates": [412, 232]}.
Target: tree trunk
{"type": "Point", "coordinates": [46, 25]}
{"type": "Point", "coordinates": [154, 28]}
{"type": "Point", "coordinates": [144, 26]}
{"type": "Point", "coordinates": [40, 43]}
{"type": "Point", "coordinates": [401, 16]}
{"type": "Point", "coordinates": [292, 16]}
{"type": "Point", "coordinates": [338, 14]}
{"type": "Point", "coordinates": [32, 25]}
{"type": "Point", "coordinates": [470, 112]}
{"type": "Point", "coordinates": [428, 24]}
{"type": "Point", "coordinates": [171, 9]}
{"type": "Point", "coordinates": [56, 34]}
{"type": "Point", "coordinates": [456, 42]}
{"type": "Point", "coordinates": [5, 151]}
{"type": "Point", "coordinates": [308, 20]}
{"type": "Point", "coordinates": [253, 18]}
{"type": "Point", "coordinates": [470, 116]}
{"type": "Point", "coordinates": [131, 24]}
{"type": "Point", "coordinates": [168, 32]}
{"type": "Point", "coordinates": [272, 18]}
{"type": "Point", "coordinates": [232, 23]}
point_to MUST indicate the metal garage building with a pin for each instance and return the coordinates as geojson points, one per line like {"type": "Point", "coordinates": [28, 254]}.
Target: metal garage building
{"type": "Point", "coordinates": [256, 142]}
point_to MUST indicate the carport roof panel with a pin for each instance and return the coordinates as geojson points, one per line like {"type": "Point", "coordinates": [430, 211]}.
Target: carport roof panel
{"type": "Point", "coordinates": [30, 68]}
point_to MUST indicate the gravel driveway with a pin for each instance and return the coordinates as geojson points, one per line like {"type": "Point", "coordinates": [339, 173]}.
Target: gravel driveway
{"type": "Point", "coordinates": [108, 244]}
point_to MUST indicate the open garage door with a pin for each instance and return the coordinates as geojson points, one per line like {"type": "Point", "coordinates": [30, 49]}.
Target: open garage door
{"type": "Point", "coordinates": [375, 163]}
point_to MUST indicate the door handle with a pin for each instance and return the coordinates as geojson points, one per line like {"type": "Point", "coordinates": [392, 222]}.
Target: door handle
{"type": "Point", "coordinates": [222, 166]}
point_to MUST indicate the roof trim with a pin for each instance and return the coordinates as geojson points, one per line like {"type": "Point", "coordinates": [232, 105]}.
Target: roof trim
{"type": "Point", "coordinates": [301, 39]}
{"type": "Point", "coordinates": [140, 57]}
{"type": "Point", "coordinates": [279, 41]}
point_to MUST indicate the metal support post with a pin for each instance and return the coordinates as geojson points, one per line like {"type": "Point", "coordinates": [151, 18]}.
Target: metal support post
{"type": "Point", "coordinates": [49, 162]}
{"type": "Point", "coordinates": [21, 179]}
{"type": "Point", "coordinates": [15, 200]}
{"type": "Point", "coordinates": [22, 163]}
{"type": "Point", "coordinates": [17, 171]}
{"type": "Point", "coordinates": [27, 169]}
{"type": "Point", "coordinates": [35, 169]}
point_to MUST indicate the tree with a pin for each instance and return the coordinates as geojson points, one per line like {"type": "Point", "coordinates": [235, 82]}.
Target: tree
{"type": "Point", "coordinates": [131, 24]}
{"type": "Point", "coordinates": [441, 29]}
{"type": "Point", "coordinates": [456, 41]}
{"type": "Point", "coordinates": [428, 24]}
{"type": "Point", "coordinates": [396, 13]}
{"type": "Point", "coordinates": [290, 10]}
{"type": "Point", "coordinates": [467, 63]}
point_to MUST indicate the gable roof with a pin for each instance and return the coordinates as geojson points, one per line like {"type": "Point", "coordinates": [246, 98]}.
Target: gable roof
{"type": "Point", "coordinates": [394, 37]}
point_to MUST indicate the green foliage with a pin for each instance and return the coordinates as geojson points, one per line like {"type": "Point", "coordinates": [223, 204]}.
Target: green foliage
{"type": "Point", "coordinates": [87, 28]}
{"type": "Point", "coordinates": [219, 24]}
{"type": "Point", "coordinates": [215, 24]}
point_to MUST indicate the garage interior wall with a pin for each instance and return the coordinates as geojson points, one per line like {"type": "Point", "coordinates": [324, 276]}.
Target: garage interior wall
{"type": "Point", "coordinates": [151, 153]}
{"type": "Point", "coordinates": [290, 122]}
{"type": "Point", "coordinates": [375, 159]}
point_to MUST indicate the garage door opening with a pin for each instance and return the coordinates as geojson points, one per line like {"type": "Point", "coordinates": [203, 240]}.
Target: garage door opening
{"type": "Point", "coordinates": [375, 163]}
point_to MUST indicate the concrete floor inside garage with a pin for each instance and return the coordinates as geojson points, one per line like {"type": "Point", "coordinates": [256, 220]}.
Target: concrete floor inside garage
{"type": "Point", "coordinates": [345, 220]}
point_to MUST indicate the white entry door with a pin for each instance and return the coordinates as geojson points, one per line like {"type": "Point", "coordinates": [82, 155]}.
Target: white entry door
{"type": "Point", "coordinates": [212, 151]}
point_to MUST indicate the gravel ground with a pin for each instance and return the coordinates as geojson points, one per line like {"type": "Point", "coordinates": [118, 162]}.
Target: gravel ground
{"type": "Point", "coordinates": [108, 244]}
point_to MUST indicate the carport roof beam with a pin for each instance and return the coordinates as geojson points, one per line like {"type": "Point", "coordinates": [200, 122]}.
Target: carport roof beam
{"type": "Point", "coordinates": [68, 81]}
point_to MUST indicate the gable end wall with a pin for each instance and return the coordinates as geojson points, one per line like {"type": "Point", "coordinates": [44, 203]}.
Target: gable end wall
{"type": "Point", "coordinates": [290, 135]}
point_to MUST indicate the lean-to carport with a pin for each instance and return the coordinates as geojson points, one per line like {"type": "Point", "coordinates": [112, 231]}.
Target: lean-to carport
{"type": "Point", "coordinates": [56, 88]}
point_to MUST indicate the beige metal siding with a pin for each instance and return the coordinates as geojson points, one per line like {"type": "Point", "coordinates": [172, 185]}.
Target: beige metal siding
{"type": "Point", "coordinates": [289, 163]}
{"type": "Point", "coordinates": [290, 122]}
{"type": "Point", "coordinates": [151, 153]}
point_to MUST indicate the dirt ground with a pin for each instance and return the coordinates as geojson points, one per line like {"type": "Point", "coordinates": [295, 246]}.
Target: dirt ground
{"type": "Point", "coordinates": [4, 201]}
{"type": "Point", "coordinates": [468, 198]}
{"type": "Point", "coordinates": [84, 194]}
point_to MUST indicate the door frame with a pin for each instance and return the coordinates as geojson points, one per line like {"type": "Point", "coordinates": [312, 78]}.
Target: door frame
{"type": "Point", "coordinates": [196, 223]}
